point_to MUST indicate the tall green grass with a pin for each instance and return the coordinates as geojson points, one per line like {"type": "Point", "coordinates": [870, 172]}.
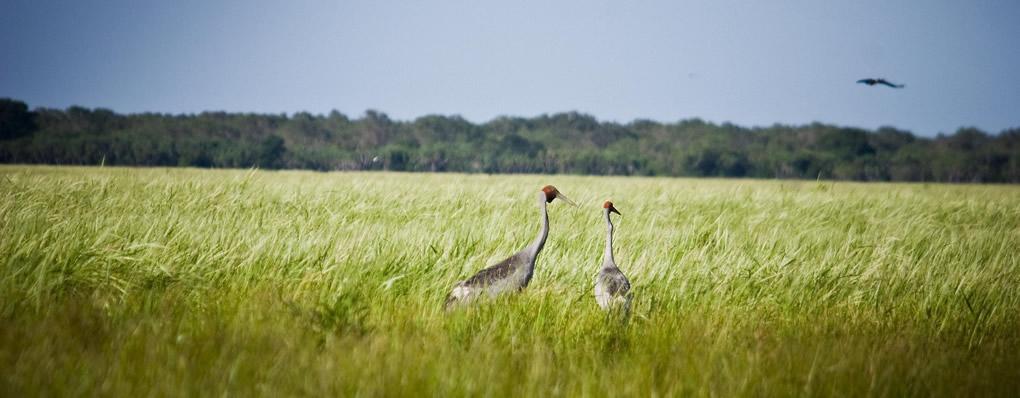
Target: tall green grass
{"type": "Point", "coordinates": [170, 282]}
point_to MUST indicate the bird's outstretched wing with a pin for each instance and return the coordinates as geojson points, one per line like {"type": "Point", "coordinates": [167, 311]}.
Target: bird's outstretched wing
{"type": "Point", "coordinates": [867, 81]}
{"type": "Point", "coordinates": [883, 81]}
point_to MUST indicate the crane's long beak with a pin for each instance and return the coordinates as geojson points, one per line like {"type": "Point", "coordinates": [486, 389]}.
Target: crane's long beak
{"type": "Point", "coordinates": [565, 199]}
{"type": "Point", "coordinates": [613, 209]}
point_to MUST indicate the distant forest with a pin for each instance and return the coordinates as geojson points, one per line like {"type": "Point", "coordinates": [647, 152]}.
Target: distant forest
{"type": "Point", "coordinates": [571, 143]}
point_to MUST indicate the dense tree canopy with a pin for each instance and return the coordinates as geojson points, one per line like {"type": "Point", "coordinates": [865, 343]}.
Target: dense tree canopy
{"type": "Point", "coordinates": [571, 143]}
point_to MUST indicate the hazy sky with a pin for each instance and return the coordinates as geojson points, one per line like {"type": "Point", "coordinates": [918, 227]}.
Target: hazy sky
{"type": "Point", "coordinates": [751, 63]}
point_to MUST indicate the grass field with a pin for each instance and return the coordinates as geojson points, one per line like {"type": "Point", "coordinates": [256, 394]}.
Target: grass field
{"type": "Point", "coordinates": [172, 282]}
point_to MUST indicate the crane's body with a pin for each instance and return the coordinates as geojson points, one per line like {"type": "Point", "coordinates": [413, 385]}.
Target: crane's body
{"type": "Point", "coordinates": [612, 289]}
{"type": "Point", "coordinates": [513, 273]}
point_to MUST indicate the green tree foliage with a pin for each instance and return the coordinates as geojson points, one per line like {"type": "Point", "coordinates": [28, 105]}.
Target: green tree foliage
{"type": "Point", "coordinates": [270, 153]}
{"type": "Point", "coordinates": [15, 119]}
{"type": "Point", "coordinates": [571, 142]}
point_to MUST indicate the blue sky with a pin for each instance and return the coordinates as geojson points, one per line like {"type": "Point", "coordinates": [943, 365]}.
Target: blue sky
{"type": "Point", "coordinates": [751, 63]}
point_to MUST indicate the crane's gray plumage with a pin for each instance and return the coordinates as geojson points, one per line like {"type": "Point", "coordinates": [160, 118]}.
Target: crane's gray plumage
{"type": "Point", "coordinates": [514, 273]}
{"type": "Point", "coordinates": [612, 289]}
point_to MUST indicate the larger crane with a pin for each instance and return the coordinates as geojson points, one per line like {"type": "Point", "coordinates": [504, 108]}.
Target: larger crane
{"type": "Point", "coordinates": [612, 289]}
{"type": "Point", "coordinates": [513, 273]}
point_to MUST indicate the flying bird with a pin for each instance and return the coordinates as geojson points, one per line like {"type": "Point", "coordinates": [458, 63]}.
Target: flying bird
{"type": "Point", "coordinates": [872, 82]}
{"type": "Point", "coordinates": [513, 273]}
{"type": "Point", "coordinates": [612, 289]}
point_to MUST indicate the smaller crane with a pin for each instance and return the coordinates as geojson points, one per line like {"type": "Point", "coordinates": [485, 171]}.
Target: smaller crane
{"type": "Point", "coordinates": [612, 289]}
{"type": "Point", "coordinates": [513, 273]}
{"type": "Point", "coordinates": [872, 82]}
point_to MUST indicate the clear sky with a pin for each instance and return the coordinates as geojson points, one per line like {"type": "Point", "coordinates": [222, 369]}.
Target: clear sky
{"type": "Point", "coordinates": [751, 63]}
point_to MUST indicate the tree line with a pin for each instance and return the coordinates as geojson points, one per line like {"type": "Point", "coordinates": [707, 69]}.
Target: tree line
{"type": "Point", "coordinates": [571, 143]}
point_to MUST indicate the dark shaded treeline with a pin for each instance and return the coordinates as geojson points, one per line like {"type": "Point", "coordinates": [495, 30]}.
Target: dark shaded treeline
{"type": "Point", "coordinates": [571, 143]}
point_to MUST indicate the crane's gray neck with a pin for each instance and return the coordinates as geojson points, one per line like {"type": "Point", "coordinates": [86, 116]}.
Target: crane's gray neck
{"type": "Point", "coordinates": [609, 261]}
{"type": "Point", "coordinates": [540, 240]}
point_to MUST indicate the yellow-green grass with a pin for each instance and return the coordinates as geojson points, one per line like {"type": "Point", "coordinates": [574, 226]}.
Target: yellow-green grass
{"type": "Point", "coordinates": [175, 282]}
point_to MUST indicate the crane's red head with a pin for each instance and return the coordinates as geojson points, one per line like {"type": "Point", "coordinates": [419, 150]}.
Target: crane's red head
{"type": "Point", "coordinates": [609, 206]}
{"type": "Point", "coordinates": [552, 193]}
